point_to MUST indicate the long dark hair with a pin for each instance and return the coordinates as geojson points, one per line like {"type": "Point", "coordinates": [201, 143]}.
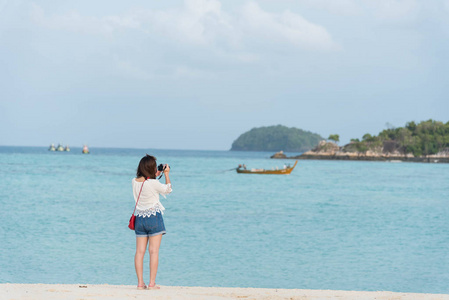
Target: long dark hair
{"type": "Point", "coordinates": [147, 167]}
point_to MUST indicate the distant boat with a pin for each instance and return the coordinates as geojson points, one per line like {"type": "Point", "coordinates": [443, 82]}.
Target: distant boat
{"type": "Point", "coordinates": [52, 147]}
{"type": "Point", "coordinates": [285, 171]}
{"type": "Point", "coordinates": [85, 149]}
{"type": "Point", "coordinates": [67, 148]}
{"type": "Point", "coordinates": [60, 148]}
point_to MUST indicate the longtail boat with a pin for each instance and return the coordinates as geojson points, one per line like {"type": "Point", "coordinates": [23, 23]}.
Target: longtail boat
{"type": "Point", "coordinates": [85, 149]}
{"type": "Point", "coordinates": [284, 171]}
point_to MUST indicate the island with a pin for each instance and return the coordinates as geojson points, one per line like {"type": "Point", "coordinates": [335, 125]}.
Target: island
{"type": "Point", "coordinates": [427, 141]}
{"type": "Point", "coordinates": [275, 138]}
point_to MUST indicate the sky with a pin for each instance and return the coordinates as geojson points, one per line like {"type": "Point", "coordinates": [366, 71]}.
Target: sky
{"type": "Point", "coordinates": [196, 74]}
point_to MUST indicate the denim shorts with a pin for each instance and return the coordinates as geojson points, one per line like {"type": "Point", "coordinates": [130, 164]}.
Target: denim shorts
{"type": "Point", "coordinates": [149, 226]}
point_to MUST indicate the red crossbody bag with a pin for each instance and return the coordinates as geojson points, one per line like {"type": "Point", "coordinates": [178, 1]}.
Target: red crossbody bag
{"type": "Point", "coordinates": [132, 220]}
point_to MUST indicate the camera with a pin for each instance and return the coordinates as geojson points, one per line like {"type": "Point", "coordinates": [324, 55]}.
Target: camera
{"type": "Point", "coordinates": [161, 167]}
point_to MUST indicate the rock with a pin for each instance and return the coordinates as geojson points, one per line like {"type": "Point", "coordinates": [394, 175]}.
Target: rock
{"type": "Point", "coordinates": [279, 154]}
{"type": "Point", "coordinates": [326, 148]}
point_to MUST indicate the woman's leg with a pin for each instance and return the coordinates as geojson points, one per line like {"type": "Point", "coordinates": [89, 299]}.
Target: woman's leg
{"type": "Point", "coordinates": [141, 248]}
{"type": "Point", "coordinates": [155, 243]}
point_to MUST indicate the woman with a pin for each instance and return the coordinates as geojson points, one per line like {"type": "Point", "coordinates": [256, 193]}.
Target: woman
{"type": "Point", "coordinates": [149, 226]}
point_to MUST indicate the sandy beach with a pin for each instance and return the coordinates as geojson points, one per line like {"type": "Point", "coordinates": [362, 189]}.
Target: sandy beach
{"type": "Point", "coordinates": [87, 291]}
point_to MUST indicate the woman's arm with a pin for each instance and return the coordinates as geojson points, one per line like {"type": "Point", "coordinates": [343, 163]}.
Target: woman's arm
{"type": "Point", "coordinates": [166, 172]}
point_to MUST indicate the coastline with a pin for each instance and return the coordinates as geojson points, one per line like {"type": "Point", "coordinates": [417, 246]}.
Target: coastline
{"type": "Point", "coordinates": [105, 291]}
{"type": "Point", "coordinates": [331, 151]}
{"type": "Point", "coordinates": [386, 158]}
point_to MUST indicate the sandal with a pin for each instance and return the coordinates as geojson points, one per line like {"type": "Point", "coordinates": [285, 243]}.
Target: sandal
{"type": "Point", "coordinates": [155, 287]}
{"type": "Point", "coordinates": [144, 287]}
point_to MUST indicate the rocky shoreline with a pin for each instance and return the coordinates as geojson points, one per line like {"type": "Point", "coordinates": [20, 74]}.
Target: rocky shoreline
{"type": "Point", "coordinates": [345, 156]}
{"type": "Point", "coordinates": [331, 151]}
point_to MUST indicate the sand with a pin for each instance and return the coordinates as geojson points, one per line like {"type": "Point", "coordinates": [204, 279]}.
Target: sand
{"type": "Point", "coordinates": [90, 292]}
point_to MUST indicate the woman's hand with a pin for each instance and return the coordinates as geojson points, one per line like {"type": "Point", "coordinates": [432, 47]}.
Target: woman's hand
{"type": "Point", "coordinates": [158, 173]}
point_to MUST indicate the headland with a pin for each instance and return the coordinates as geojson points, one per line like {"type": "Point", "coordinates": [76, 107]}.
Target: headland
{"type": "Point", "coordinates": [331, 151]}
{"type": "Point", "coordinates": [427, 141]}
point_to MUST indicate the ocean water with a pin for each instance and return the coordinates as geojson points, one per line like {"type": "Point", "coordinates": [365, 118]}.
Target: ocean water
{"type": "Point", "coordinates": [329, 225]}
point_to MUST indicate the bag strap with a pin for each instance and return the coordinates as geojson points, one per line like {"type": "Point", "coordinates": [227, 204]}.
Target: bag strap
{"type": "Point", "coordinates": [138, 196]}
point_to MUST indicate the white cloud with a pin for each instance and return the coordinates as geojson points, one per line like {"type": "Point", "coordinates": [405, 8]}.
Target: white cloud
{"type": "Point", "coordinates": [185, 72]}
{"type": "Point", "coordinates": [75, 22]}
{"type": "Point", "coordinates": [187, 42]}
{"type": "Point", "coordinates": [446, 5]}
{"type": "Point", "coordinates": [339, 7]}
{"type": "Point", "coordinates": [131, 70]}
{"type": "Point", "coordinates": [200, 22]}
{"type": "Point", "coordinates": [395, 10]}
{"type": "Point", "coordinates": [384, 10]}
{"type": "Point", "coordinates": [286, 27]}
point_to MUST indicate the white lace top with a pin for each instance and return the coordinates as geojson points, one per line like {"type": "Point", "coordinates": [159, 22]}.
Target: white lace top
{"type": "Point", "coordinates": [149, 203]}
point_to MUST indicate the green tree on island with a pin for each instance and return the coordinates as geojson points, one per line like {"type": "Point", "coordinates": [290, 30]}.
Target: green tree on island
{"type": "Point", "coordinates": [276, 138]}
{"type": "Point", "coordinates": [334, 137]}
{"type": "Point", "coordinates": [367, 137]}
{"type": "Point", "coordinates": [426, 138]}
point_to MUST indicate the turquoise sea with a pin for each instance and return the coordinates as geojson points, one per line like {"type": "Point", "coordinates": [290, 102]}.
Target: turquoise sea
{"type": "Point", "coordinates": [329, 225]}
